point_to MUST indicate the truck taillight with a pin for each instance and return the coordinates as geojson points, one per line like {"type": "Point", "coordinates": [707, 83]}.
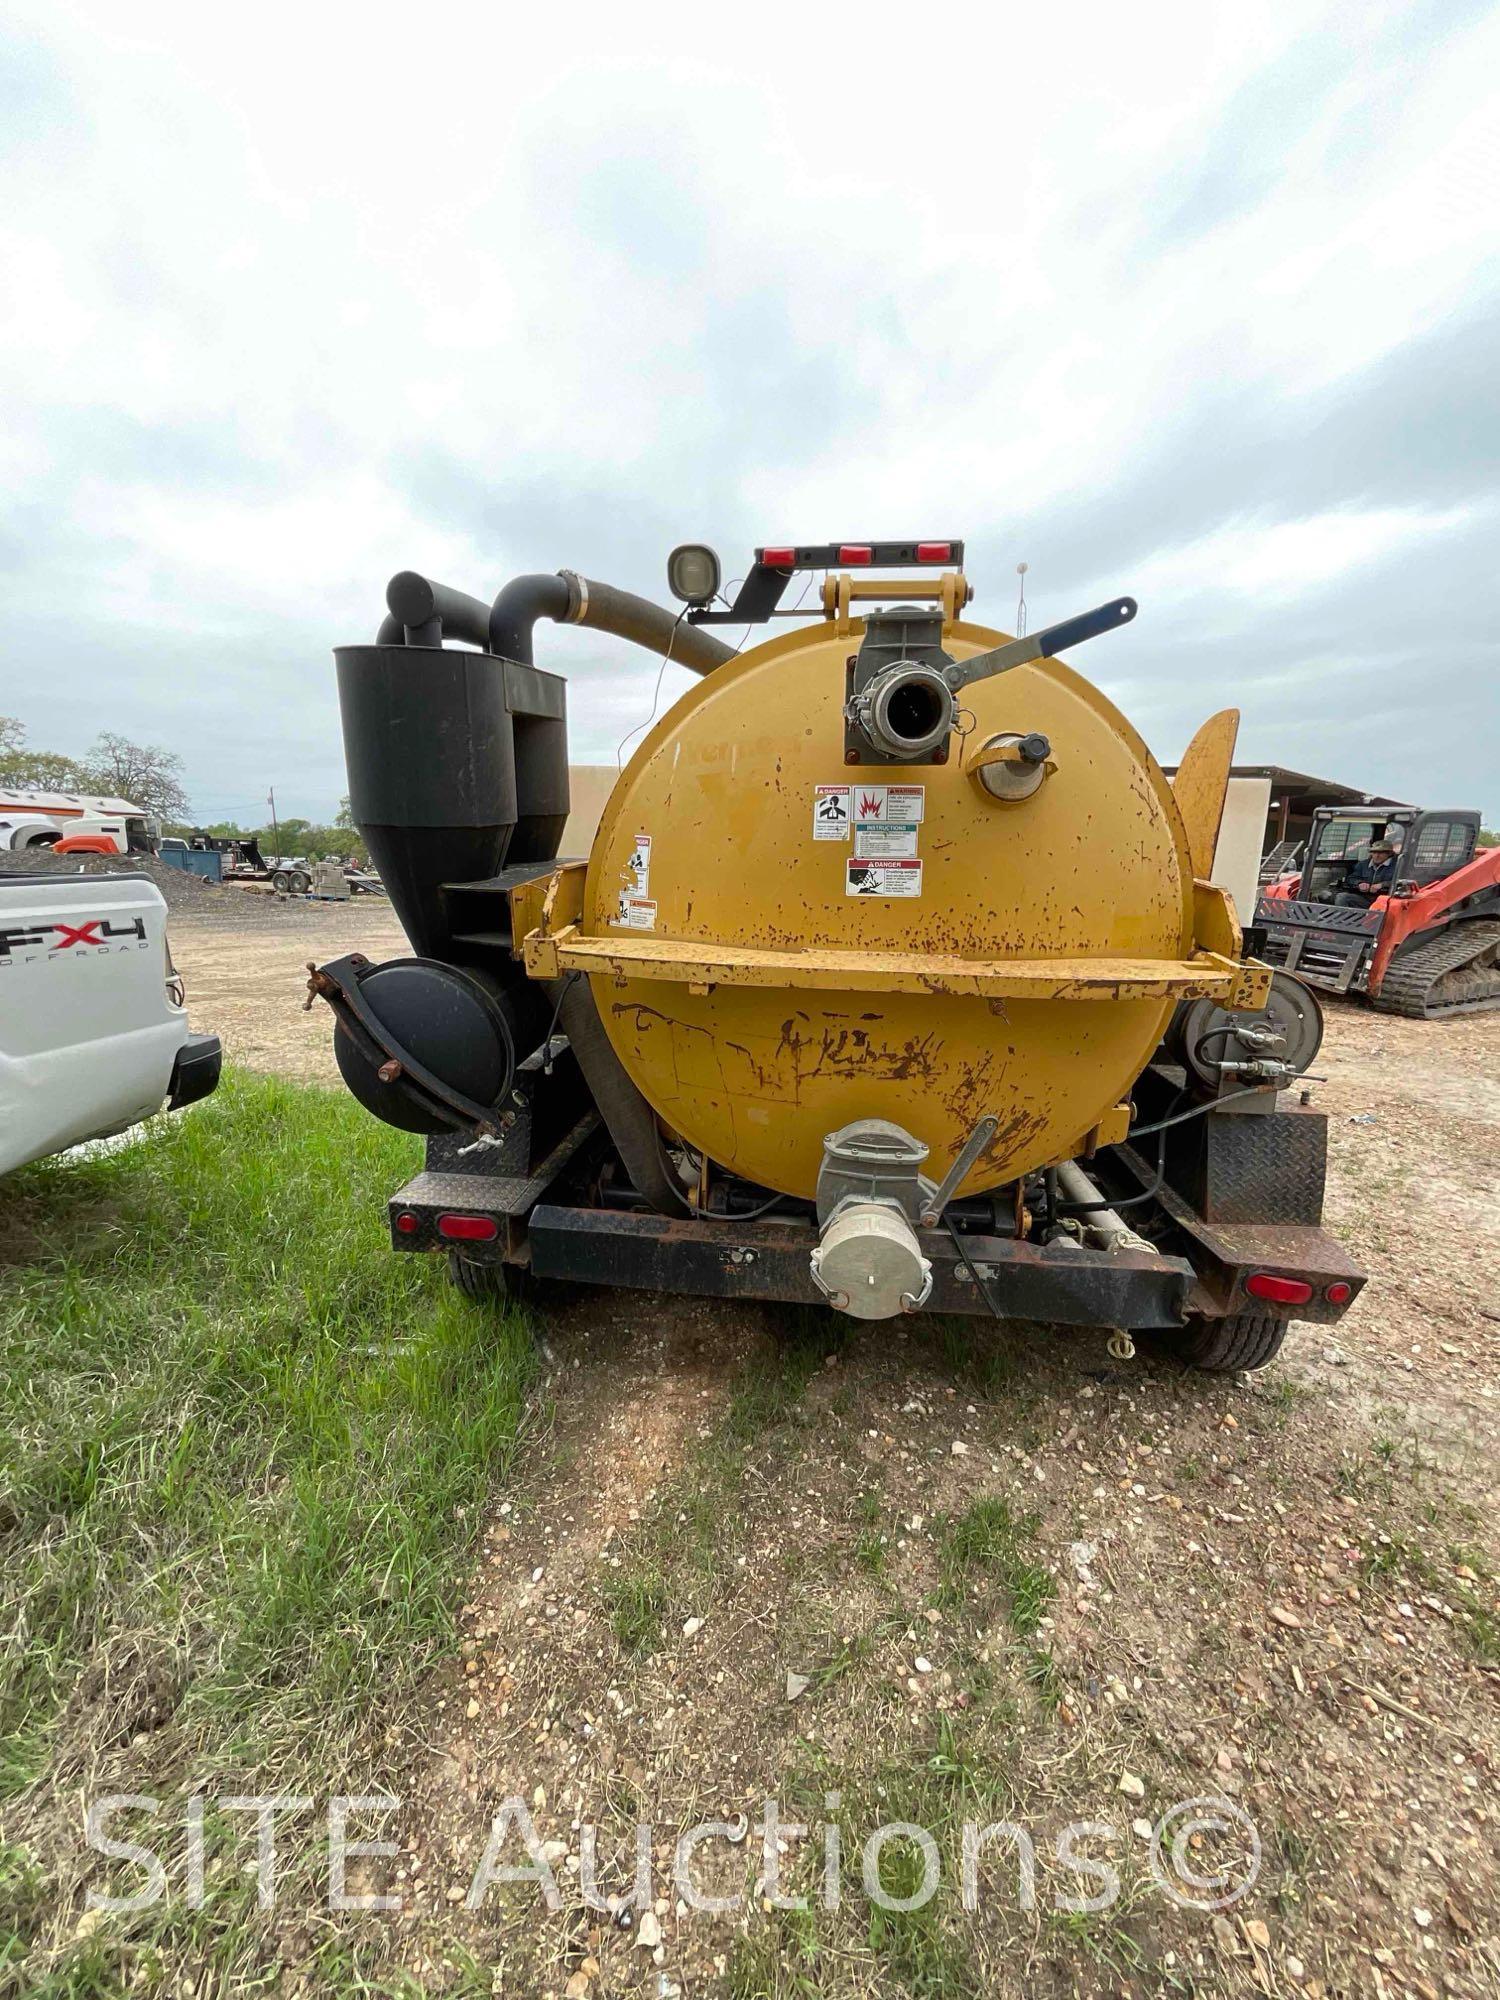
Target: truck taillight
{"type": "Point", "coordinates": [468, 1228]}
{"type": "Point", "coordinates": [1280, 1291]}
{"type": "Point", "coordinates": [1339, 1292]}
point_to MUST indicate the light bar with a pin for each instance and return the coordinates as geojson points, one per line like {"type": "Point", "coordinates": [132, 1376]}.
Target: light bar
{"type": "Point", "coordinates": [862, 555]}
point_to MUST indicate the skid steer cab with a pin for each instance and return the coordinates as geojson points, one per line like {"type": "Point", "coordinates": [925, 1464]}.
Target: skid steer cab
{"type": "Point", "coordinates": [1399, 904]}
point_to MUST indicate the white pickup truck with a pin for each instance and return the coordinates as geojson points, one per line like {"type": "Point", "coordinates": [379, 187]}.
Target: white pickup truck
{"type": "Point", "coordinates": [93, 1031]}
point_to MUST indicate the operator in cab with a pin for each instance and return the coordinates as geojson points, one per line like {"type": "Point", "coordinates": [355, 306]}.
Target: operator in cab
{"type": "Point", "coordinates": [1370, 878]}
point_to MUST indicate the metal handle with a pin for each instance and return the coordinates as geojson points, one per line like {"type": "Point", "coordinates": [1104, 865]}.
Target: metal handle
{"type": "Point", "coordinates": [974, 1145]}
{"type": "Point", "coordinates": [1041, 645]}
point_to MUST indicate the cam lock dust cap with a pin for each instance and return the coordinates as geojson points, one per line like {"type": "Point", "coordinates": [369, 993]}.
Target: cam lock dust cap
{"type": "Point", "coordinates": [870, 1264]}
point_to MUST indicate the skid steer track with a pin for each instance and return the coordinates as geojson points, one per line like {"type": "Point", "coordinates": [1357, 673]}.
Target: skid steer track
{"type": "Point", "coordinates": [1457, 973]}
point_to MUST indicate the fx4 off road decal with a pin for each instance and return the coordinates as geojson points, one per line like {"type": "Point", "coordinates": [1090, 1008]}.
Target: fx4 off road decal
{"type": "Point", "coordinates": [94, 933]}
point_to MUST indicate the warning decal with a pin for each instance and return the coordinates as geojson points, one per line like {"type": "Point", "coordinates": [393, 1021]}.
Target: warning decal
{"type": "Point", "coordinates": [639, 864]}
{"type": "Point", "coordinates": [889, 802]}
{"type": "Point", "coordinates": [636, 913]}
{"type": "Point", "coordinates": [883, 878]}
{"type": "Point", "coordinates": [831, 812]}
{"type": "Point", "coordinates": [874, 840]}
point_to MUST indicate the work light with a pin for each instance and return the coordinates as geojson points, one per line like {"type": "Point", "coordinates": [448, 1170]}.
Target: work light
{"type": "Point", "coordinates": [693, 573]}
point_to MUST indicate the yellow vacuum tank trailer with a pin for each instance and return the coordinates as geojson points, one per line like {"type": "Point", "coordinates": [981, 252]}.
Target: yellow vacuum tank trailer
{"type": "Point", "coordinates": [860, 994]}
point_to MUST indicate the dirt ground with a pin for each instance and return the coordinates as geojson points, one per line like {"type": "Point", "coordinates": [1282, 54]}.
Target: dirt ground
{"type": "Point", "coordinates": [245, 960]}
{"type": "Point", "coordinates": [940, 1572]}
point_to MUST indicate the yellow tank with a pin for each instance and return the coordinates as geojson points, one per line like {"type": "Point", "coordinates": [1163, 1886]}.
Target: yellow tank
{"type": "Point", "coordinates": [781, 941]}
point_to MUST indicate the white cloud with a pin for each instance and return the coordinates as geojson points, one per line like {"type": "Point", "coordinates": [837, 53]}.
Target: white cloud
{"type": "Point", "coordinates": [1282, 559]}
{"type": "Point", "coordinates": [475, 291]}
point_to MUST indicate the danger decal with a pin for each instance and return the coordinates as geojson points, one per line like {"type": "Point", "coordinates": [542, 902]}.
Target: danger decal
{"type": "Point", "coordinates": [832, 814]}
{"type": "Point", "coordinates": [883, 878]}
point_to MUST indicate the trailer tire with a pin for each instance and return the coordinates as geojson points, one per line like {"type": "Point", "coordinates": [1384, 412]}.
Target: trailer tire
{"type": "Point", "coordinates": [1225, 1346]}
{"type": "Point", "coordinates": [487, 1284]}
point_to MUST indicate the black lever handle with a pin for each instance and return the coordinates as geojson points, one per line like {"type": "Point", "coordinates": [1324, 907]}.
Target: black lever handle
{"type": "Point", "coordinates": [1041, 645]}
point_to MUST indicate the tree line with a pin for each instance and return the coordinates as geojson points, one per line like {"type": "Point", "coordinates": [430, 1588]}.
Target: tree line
{"type": "Point", "coordinates": [303, 838]}
{"type": "Point", "coordinates": [144, 774]}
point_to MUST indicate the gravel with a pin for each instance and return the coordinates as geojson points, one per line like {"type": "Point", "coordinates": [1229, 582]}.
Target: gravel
{"type": "Point", "coordinates": [181, 891]}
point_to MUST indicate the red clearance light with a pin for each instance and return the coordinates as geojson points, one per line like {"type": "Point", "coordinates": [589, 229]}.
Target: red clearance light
{"type": "Point", "coordinates": [779, 558]}
{"type": "Point", "coordinates": [468, 1228]}
{"type": "Point", "coordinates": [1283, 1291]}
{"type": "Point", "coordinates": [934, 551]}
{"type": "Point", "coordinates": [1339, 1293]}
{"type": "Point", "coordinates": [856, 553]}
{"type": "Point", "coordinates": [407, 1223]}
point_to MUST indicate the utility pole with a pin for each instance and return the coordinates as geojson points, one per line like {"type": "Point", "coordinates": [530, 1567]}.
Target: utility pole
{"type": "Point", "coordinates": [275, 830]}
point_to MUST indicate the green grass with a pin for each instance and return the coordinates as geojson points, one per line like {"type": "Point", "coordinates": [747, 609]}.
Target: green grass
{"type": "Point", "coordinates": [638, 1604]}
{"type": "Point", "coordinates": [988, 1544]}
{"type": "Point", "coordinates": [246, 1446]}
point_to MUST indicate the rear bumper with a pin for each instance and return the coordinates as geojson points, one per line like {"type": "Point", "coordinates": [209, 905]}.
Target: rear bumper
{"type": "Point", "coordinates": [772, 1260]}
{"type": "Point", "coordinates": [195, 1073]}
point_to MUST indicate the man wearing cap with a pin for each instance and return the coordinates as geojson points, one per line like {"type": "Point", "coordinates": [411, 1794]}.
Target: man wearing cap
{"type": "Point", "coordinates": [1370, 878]}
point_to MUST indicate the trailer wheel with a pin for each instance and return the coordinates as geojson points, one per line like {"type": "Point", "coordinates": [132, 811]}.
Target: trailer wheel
{"type": "Point", "coordinates": [299, 881]}
{"type": "Point", "coordinates": [486, 1284]}
{"type": "Point", "coordinates": [1224, 1346]}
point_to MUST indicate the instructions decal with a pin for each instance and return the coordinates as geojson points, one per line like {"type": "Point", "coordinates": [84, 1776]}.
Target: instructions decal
{"type": "Point", "coordinates": [893, 839]}
{"type": "Point", "coordinates": [831, 815]}
{"type": "Point", "coordinates": [883, 878]}
{"type": "Point", "coordinates": [636, 913]}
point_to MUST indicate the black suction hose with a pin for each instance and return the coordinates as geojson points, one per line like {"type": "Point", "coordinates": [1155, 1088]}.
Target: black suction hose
{"type": "Point", "coordinates": [510, 619]}
{"type": "Point", "coordinates": [423, 613]}
{"type": "Point", "coordinates": [578, 600]}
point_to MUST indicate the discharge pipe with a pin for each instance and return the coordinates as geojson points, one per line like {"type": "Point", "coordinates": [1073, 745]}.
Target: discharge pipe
{"type": "Point", "coordinates": [1107, 1229]}
{"type": "Point", "coordinates": [423, 613]}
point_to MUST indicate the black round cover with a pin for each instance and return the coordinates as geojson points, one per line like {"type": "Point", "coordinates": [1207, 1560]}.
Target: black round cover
{"type": "Point", "coordinates": [444, 1019]}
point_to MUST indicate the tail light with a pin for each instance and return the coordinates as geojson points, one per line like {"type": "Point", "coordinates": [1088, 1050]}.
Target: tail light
{"type": "Point", "coordinates": [1339, 1292]}
{"type": "Point", "coordinates": [468, 1228]}
{"type": "Point", "coordinates": [854, 552]}
{"type": "Point", "coordinates": [407, 1224]}
{"type": "Point", "coordinates": [1280, 1291]}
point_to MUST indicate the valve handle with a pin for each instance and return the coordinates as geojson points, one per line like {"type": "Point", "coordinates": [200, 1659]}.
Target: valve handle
{"type": "Point", "coordinates": [973, 1146]}
{"type": "Point", "coordinates": [1041, 645]}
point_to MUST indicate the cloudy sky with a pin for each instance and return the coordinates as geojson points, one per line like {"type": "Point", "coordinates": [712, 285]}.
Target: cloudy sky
{"type": "Point", "coordinates": [1194, 302]}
